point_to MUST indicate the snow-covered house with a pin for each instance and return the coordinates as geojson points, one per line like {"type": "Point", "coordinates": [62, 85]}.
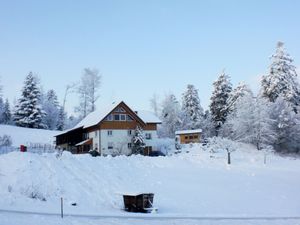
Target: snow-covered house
{"type": "Point", "coordinates": [110, 131]}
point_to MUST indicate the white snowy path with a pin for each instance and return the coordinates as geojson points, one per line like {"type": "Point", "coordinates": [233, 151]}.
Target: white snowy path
{"type": "Point", "coordinates": [24, 218]}
{"type": "Point", "coordinates": [13, 218]}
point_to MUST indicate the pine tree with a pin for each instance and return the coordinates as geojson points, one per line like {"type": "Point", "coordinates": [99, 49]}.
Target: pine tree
{"type": "Point", "coordinates": [61, 119]}
{"type": "Point", "coordinates": [240, 91]}
{"type": "Point", "coordinates": [286, 126]}
{"type": "Point", "coordinates": [138, 141]}
{"type": "Point", "coordinates": [51, 107]}
{"type": "Point", "coordinates": [6, 113]}
{"type": "Point", "coordinates": [250, 122]}
{"type": "Point", "coordinates": [207, 125]}
{"type": "Point", "coordinates": [191, 107]}
{"type": "Point", "coordinates": [218, 105]}
{"type": "Point", "coordinates": [28, 112]}
{"type": "Point", "coordinates": [282, 78]}
{"type": "Point", "coordinates": [2, 105]}
{"type": "Point", "coordinates": [263, 133]}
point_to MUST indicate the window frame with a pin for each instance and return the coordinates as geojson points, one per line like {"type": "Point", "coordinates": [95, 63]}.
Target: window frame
{"type": "Point", "coordinates": [109, 133]}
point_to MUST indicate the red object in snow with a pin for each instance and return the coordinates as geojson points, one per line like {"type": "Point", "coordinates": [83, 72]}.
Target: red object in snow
{"type": "Point", "coordinates": [23, 148]}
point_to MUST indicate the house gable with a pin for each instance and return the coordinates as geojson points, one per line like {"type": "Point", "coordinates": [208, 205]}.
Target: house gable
{"type": "Point", "coordinates": [121, 117]}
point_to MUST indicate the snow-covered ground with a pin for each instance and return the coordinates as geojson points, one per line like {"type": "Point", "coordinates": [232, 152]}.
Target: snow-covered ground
{"type": "Point", "coordinates": [27, 136]}
{"type": "Point", "coordinates": [194, 183]}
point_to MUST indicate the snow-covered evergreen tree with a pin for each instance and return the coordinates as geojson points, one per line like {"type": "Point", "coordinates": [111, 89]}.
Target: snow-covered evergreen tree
{"type": "Point", "coordinates": [61, 119]}
{"type": "Point", "coordinates": [286, 126]}
{"type": "Point", "coordinates": [250, 122]}
{"type": "Point", "coordinates": [169, 117]}
{"type": "Point", "coordinates": [28, 112]}
{"type": "Point", "coordinates": [218, 105]}
{"type": "Point", "coordinates": [138, 141]}
{"type": "Point", "coordinates": [6, 116]}
{"type": "Point", "coordinates": [282, 78]}
{"type": "Point", "coordinates": [51, 107]}
{"type": "Point", "coordinates": [263, 133]}
{"type": "Point", "coordinates": [207, 125]}
{"type": "Point", "coordinates": [1, 109]}
{"type": "Point", "coordinates": [238, 92]}
{"type": "Point", "coordinates": [191, 107]}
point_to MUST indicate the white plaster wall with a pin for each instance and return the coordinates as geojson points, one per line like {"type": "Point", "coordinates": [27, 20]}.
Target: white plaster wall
{"type": "Point", "coordinates": [151, 142]}
{"type": "Point", "coordinates": [95, 139]}
{"type": "Point", "coordinates": [120, 139]}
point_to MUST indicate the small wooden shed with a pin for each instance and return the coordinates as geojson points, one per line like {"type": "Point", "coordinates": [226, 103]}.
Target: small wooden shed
{"type": "Point", "coordinates": [188, 136]}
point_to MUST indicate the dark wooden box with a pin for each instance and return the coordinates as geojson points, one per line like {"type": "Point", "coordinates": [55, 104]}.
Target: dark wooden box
{"type": "Point", "coordinates": [138, 203]}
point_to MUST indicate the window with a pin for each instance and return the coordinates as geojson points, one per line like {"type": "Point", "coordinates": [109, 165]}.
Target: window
{"type": "Point", "coordinates": [129, 145]}
{"type": "Point", "coordinates": [117, 117]}
{"type": "Point", "coordinates": [190, 137]}
{"type": "Point", "coordinates": [195, 136]}
{"type": "Point", "coordinates": [129, 118]}
{"type": "Point", "coordinates": [110, 145]}
{"type": "Point", "coordinates": [148, 136]}
{"type": "Point", "coordinates": [129, 132]}
{"type": "Point", "coordinates": [86, 136]}
{"type": "Point", "coordinates": [186, 137]}
{"type": "Point", "coordinates": [109, 118]}
{"type": "Point", "coordinates": [109, 133]}
{"type": "Point", "coordinates": [122, 117]}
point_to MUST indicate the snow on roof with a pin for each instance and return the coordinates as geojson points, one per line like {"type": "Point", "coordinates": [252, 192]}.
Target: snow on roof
{"type": "Point", "coordinates": [148, 117]}
{"type": "Point", "coordinates": [83, 142]}
{"type": "Point", "coordinates": [188, 131]}
{"type": "Point", "coordinates": [95, 117]}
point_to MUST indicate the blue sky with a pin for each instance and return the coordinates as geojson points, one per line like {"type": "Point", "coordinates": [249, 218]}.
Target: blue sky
{"type": "Point", "coordinates": [142, 47]}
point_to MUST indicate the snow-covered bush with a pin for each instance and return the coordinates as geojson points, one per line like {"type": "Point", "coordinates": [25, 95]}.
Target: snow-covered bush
{"type": "Point", "coordinates": [165, 145]}
{"type": "Point", "coordinates": [33, 192]}
{"type": "Point", "coordinates": [218, 144]}
{"type": "Point", "coordinates": [5, 140]}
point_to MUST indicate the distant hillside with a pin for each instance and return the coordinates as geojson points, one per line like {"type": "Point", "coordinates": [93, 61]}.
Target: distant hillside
{"type": "Point", "coordinates": [26, 136]}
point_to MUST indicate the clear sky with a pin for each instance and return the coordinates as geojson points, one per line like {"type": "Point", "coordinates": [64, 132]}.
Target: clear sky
{"type": "Point", "coordinates": [142, 47]}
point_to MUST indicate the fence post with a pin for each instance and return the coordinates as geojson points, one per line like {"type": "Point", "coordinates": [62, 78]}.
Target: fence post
{"type": "Point", "coordinates": [62, 207]}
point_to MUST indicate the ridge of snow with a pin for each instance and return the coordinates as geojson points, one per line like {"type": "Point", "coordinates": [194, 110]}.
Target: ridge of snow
{"type": "Point", "coordinates": [188, 131]}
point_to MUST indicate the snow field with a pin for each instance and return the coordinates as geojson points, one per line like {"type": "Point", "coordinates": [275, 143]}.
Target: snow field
{"type": "Point", "coordinates": [198, 183]}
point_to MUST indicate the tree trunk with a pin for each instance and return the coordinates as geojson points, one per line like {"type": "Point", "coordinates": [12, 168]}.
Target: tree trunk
{"type": "Point", "coordinates": [228, 158]}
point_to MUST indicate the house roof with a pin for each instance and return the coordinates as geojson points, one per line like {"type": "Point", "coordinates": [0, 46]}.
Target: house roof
{"type": "Point", "coordinates": [97, 116]}
{"type": "Point", "coordinates": [148, 117]}
{"type": "Point", "coordinates": [88, 141]}
{"type": "Point", "coordinates": [188, 131]}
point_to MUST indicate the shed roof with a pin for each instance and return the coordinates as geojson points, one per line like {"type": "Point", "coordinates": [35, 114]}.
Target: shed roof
{"type": "Point", "coordinates": [188, 131]}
